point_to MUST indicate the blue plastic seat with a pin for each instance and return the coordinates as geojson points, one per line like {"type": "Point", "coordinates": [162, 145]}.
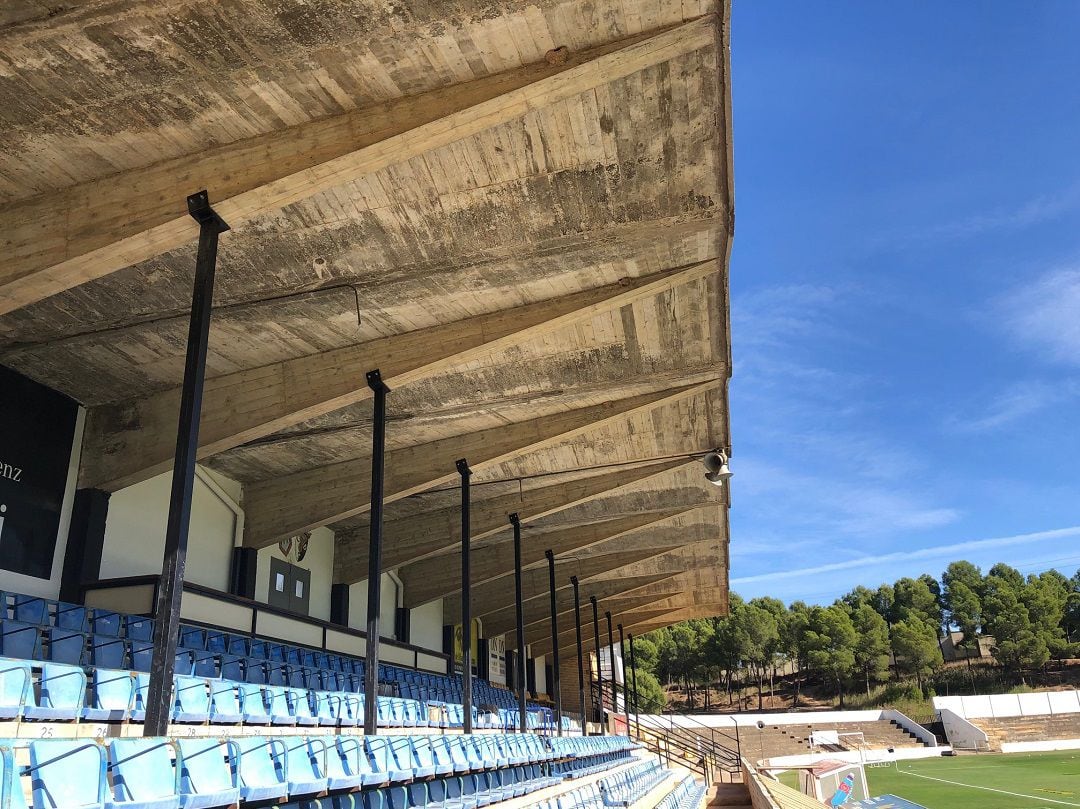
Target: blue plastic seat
{"type": "Point", "coordinates": [142, 693]}
{"type": "Point", "coordinates": [31, 610]}
{"type": "Point", "coordinates": [16, 682]}
{"type": "Point", "coordinates": [192, 701]}
{"type": "Point", "coordinates": [71, 616]}
{"type": "Point", "coordinates": [258, 649]}
{"type": "Point", "coordinates": [205, 663]}
{"type": "Point", "coordinates": [67, 774]}
{"type": "Point", "coordinates": [343, 763]}
{"type": "Point", "coordinates": [107, 651]}
{"type": "Point", "coordinates": [383, 760]}
{"type": "Point", "coordinates": [224, 703]}
{"type": "Point", "coordinates": [300, 705]}
{"type": "Point", "coordinates": [239, 646]}
{"type": "Point", "coordinates": [255, 670]}
{"type": "Point", "coordinates": [440, 755]}
{"type": "Point", "coordinates": [137, 628]}
{"type": "Point", "coordinates": [326, 708]}
{"type": "Point", "coordinates": [192, 637]}
{"type": "Point", "coordinates": [372, 799]}
{"type": "Point", "coordinates": [261, 769]}
{"type": "Point", "coordinates": [142, 774]}
{"type": "Point", "coordinates": [112, 696]}
{"type": "Point", "coordinates": [63, 691]}
{"type": "Point", "coordinates": [216, 642]}
{"type": "Point", "coordinates": [11, 794]}
{"type": "Point", "coordinates": [278, 705]}
{"type": "Point", "coordinates": [253, 704]}
{"type": "Point", "coordinates": [458, 754]}
{"type": "Point", "coordinates": [19, 639]}
{"type": "Point", "coordinates": [65, 646]}
{"type": "Point", "coordinates": [185, 662]}
{"type": "Point", "coordinates": [232, 667]}
{"type": "Point", "coordinates": [208, 775]}
{"type": "Point", "coordinates": [106, 622]}
{"type": "Point", "coordinates": [305, 764]}
{"type": "Point", "coordinates": [350, 709]}
{"type": "Point", "coordinates": [142, 654]}
{"type": "Point", "coordinates": [422, 757]}
{"type": "Point", "coordinates": [454, 796]}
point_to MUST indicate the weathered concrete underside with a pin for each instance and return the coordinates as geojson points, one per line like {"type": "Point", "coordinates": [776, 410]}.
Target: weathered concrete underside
{"type": "Point", "coordinates": [521, 213]}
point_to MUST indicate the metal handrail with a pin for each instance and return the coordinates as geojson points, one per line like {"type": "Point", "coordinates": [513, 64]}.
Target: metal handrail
{"type": "Point", "coordinates": [695, 750]}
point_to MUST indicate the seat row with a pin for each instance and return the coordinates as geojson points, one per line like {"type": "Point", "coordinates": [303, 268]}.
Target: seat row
{"type": "Point", "coordinates": [63, 615]}
{"type": "Point", "coordinates": [33, 628]}
{"type": "Point", "coordinates": [154, 773]}
{"type": "Point", "coordinates": [64, 693]}
{"type": "Point", "coordinates": [621, 789]}
{"type": "Point", "coordinates": [688, 794]}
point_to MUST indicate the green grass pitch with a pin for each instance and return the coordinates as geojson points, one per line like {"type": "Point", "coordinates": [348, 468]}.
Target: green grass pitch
{"type": "Point", "coordinates": [989, 781]}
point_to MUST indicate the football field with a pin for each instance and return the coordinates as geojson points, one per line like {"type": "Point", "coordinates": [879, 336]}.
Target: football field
{"type": "Point", "coordinates": [988, 781]}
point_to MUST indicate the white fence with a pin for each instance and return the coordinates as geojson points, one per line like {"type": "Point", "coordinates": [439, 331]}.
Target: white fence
{"type": "Point", "coordinates": [1002, 706]}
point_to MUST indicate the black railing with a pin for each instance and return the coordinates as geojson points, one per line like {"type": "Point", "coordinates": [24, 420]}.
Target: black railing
{"type": "Point", "coordinates": [693, 744]}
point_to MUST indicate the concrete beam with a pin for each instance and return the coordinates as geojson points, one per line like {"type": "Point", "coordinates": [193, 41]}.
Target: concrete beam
{"type": "Point", "coordinates": [286, 506]}
{"type": "Point", "coordinates": [418, 536]}
{"type": "Point", "coordinates": [132, 441]}
{"type": "Point", "coordinates": [61, 240]}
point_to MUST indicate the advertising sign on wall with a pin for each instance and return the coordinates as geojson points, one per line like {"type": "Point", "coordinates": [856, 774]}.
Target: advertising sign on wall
{"type": "Point", "coordinates": [37, 426]}
{"type": "Point", "coordinates": [497, 660]}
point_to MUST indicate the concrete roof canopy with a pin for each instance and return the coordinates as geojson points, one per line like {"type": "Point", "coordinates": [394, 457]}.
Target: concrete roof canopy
{"type": "Point", "coordinates": [521, 214]}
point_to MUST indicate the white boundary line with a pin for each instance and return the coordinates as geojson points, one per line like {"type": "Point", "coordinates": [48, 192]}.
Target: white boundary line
{"type": "Point", "coordinates": [988, 789]}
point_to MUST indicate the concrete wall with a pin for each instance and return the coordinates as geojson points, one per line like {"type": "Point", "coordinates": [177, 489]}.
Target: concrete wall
{"type": "Point", "coordinates": [541, 675]}
{"type": "Point", "coordinates": [426, 626]}
{"type": "Point", "coordinates": [135, 530]}
{"type": "Point", "coordinates": [389, 598]}
{"type": "Point", "coordinates": [50, 588]}
{"type": "Point", "coordinates": [1006, 705]}
{"type": "Point", "coordinates": [319, 559]}
{"type": "Point", "coordinates": [961, 733]}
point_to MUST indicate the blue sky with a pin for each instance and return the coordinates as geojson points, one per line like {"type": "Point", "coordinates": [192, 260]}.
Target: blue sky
{"type": "Point", "coordinates": [905, 291]}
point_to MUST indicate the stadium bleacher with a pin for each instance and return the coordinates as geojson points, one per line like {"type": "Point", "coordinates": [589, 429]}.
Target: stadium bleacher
{"type": "Point", "coordinates": [278, 727]}
{"type": "Point", "coordinates": [1039, 728]}
{"type": "Point", "coordinates": [65, 662]}
{"type": "Point", "coordinates": [376, 772]}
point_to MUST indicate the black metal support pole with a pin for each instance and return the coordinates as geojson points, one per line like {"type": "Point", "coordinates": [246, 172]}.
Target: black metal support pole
{"type": "Point", "coordinates": [611, 657]}
{"type": "Point", "coordinates": [599, 673]}
{"type": "Point", "coordinates": [580, 654]}
{"type": "Point", "coordinates": [374, 581]}
{"type": "Point", "coordinates": [171, 586]}
{"type": "Point", "coordinates": [555, 641]}
{"type": "Point", "coordinates": [626, 681]}
{"type": "Point", "coordinates": [519, 675]}
{"type": "Point", "coordinates": [466, 600]}
{"type": "Point", "coordinates": [633, 682]}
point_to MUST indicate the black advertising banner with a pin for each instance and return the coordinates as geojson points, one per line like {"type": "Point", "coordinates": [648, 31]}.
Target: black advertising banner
{"type": "Point", "coordinates": [37, 426]}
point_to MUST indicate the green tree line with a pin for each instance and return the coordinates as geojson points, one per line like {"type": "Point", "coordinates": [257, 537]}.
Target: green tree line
{"type": "Point", "coordinates": [869, 637]}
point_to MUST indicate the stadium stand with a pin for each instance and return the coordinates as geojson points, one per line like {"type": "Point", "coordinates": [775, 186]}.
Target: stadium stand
{"type": "Point", "coordinates": [624, 789]}
{"type": "Point", "coordinates": [1046, 727]}
{"type": "Point", "coordinates": [396, 772]}
{"type": "Point", "coordinates": [791, 740]}
{"type": "Point", "coordinates": [63, 662]}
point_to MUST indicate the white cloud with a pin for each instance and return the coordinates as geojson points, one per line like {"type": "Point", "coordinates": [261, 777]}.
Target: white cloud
{"type": "Point", "coordinates": [953, 550]}
{"type": "Point", "coordinates": [1018, 402]}
{"type": "Point", "coordinates": [1046, 315]}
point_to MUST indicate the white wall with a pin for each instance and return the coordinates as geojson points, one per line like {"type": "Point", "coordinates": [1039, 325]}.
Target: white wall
{"type": "Point", "coordinates": [135, 530]}
{"type": "Point", "coordinates": [426, 626]}
{"type": "Point", "coordinates": [389, 598]}
{"type": "Point", "coordinates": [1006, 705]}
{"type": "Point", "coordinates": [50, 588]}
{"type": "Point", "coordinates": [319, 559]}
{"type": "Point", "coordinates": [541, 675]}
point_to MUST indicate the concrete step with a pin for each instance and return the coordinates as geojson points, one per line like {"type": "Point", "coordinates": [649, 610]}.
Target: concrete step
{"type": "Point", "coordinates": [735, 796]}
